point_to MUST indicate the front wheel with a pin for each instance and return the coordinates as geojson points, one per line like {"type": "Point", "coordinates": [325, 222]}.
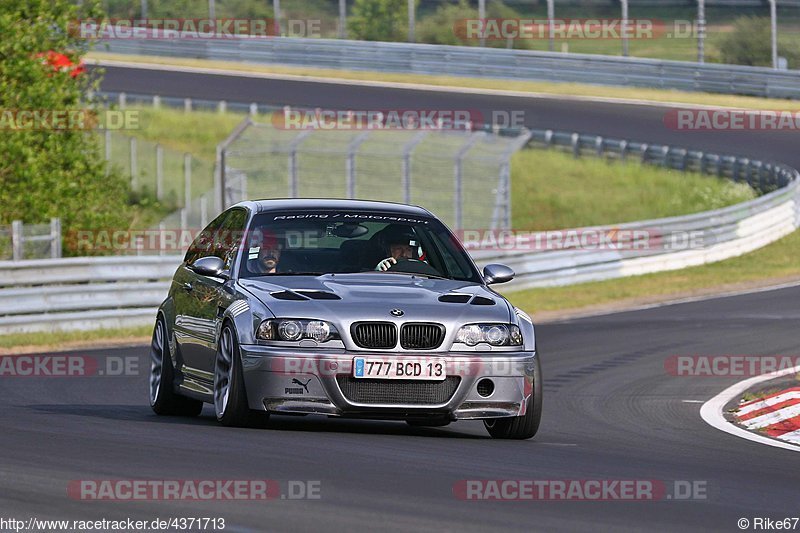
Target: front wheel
{"type": "Point", "coordinates": [230, 397]}
{"type": "Point", "coordinates": [525, 426]}
{"type": "Point", "coordinates": [163, 399]}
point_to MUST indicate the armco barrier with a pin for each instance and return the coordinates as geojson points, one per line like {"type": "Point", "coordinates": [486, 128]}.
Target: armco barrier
{"type": "Point", "coordinates": [476, 62]}
{"type": "Point", "coordinates": [112, 292]}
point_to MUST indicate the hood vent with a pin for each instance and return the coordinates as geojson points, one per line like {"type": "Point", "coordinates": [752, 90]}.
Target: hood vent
{"type": "Point", "coordinates": [482, 300]}
{"type": "Point", "coordinates": [318, 295]}
{"type": "Point", "coordinates": [287, 295]}
{"type": "Point", "coordinates": [455, 298]}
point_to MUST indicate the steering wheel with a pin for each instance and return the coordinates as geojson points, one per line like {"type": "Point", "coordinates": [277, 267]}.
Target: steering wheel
{"type": "Point", "coordinates": [413, 266]}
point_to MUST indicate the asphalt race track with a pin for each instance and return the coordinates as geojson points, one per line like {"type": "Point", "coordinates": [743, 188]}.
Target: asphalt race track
{"type": "Point", "coordinates": [611, 411]}
{"type": "Point", "coordinates": [636, 122]}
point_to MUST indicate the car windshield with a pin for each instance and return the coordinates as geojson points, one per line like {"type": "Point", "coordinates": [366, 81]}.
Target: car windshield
{"type": "Point", "coordinates": [322, 242]}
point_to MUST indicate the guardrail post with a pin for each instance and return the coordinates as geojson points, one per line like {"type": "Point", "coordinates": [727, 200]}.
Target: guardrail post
{"type": "Point", "coordinates": [122, 100]}
{"type": "Point", "coordinates": [548, 138]}
{"type": "Point", "coordinates": [16, 240]}
{"type": "Point", "coordinates": [253, 109]}
{"type": "Point", "coordinates": [159, 172]}
{"type": "Point", "coordinates": [187, 105]}
{"type": "Point", "coordinates": [664, 156]}
{"type": "Point", "coordinates": [645, 147]}
{"type": "Point", "coordinates": [156, 102]}
{"type": "Point", "coordinates": [576, 146]}
{"type": "Point", "coordinates": [623, 150]}
{"type": "Point", "coordinates": [187, 181]}
{"type": "Point", "coordinates": [222, 106]}
{"type": "Point", "coordinates": [134, 167]}
{"type": "Point", "coordinates": [55, 238]}
{"type": "Point", "coordinates": [598, 145]}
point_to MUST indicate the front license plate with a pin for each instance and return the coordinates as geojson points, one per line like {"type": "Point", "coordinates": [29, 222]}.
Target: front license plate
{"type": "Point", "coordinates": [429, 369]}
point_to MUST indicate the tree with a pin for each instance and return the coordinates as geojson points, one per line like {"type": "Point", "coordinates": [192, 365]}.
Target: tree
{"type": "Point", "coordinates": [379, 20]}
{"type": "Point", "coordinates": [48, 171]}
{"type": "Point", "coordinates": [750, 44]}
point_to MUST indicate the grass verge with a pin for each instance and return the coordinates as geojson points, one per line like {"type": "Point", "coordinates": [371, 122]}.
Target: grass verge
{"type": "Point", "coordinates": [17, 343]}
{"type": "Point", "coordinates": [558, 89]}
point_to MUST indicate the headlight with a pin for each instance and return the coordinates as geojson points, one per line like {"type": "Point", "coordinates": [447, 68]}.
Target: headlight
{"type": "Point", "coordinates": [494, 334]}
{"type": "Point", "coordinates": [296, 329]}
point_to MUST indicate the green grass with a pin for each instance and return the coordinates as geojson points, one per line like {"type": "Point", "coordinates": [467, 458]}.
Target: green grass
{"type": "Point", "coordinates": [775, 261]}
{"type": "Point", "coordinates": [552, 190]}
{"type": "Point", "coordinates": [20, 341]}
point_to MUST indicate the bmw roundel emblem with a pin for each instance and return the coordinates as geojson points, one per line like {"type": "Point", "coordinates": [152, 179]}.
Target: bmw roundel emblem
{"type": "Point", "coordinates": [396, 312]}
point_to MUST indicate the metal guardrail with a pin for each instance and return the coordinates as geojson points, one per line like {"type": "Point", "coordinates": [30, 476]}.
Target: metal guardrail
{"type": "Point", "coordinates": [108, 292]}
{"type": "Point", "coordinates": [478, 62]}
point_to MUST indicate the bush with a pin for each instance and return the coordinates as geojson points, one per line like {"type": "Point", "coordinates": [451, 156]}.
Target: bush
{"type": "Point", "coordinates": [379, 20]}
{"type": "Point", "coordinates": [48, 172]}
{"type": "Point", "coordinates": [750, 43]}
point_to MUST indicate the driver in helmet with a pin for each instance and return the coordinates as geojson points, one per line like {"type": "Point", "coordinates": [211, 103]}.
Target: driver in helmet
{"type": "Point", "coordinates": [400, 243]}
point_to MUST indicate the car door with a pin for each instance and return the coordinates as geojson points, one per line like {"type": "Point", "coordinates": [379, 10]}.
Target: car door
{"type": "Point", "coordinates": [191, 328]}
{"type": "Point", "coordinates": [210, 296]}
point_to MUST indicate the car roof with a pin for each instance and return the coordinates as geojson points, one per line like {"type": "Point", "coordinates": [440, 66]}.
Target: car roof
{"type": "Point", "coordinates": [328, 204]}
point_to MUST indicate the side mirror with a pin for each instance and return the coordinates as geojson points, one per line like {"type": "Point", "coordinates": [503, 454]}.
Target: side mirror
{"type": "Point", "coordinates": [211, 266]}
{"type": "Point", "coordinates": [495, 273]}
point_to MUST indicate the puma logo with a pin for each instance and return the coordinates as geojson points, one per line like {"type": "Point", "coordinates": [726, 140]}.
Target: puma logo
{"type": "Point", "coordinates": [304, 385]}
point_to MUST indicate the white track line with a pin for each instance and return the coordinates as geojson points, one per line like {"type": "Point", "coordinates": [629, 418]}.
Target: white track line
{"type": "Point", "coordinates": [399, 85]}
{"type": "Point", "coordinates": [712, 413]}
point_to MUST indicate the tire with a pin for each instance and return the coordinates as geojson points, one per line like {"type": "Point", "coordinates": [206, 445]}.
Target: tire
{"type": "Point", "coordinates": [163, 398]}
{"type": "Point", "coordinates": [525, 426]}
{"type": "Point", "coordinates": [230, 397]}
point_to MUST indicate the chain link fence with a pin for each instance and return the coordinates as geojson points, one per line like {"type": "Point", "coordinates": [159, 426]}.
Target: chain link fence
{"type": "Point", "coordinates": [461, 176]}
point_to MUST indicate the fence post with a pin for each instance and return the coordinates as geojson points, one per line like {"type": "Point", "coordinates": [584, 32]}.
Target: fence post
{"type": "Point", "coordinates": [16, 240]}
{"type": "Point", "coordinates": [187, 181]}
{"type": "Point", "coordinates": [459, 178]}
{"type": "Point", "coordinates": [159, 172]}
{"type": "Point", "coordinates": [107, 135]}
{"type": "Point", "coordinates": [161, 231]}
{"type": "Point", "coordinates": [134, 169]}
{"type": "Point", "coordinates": [293, 146]}
{"type": "Point", "coordinates": [411, 20]}
{"type": "Point", "coordinates": [350, 162]}
{"type": "Point", "coordinates": [219, 178]}
{"type": "Point", "coordinates": [406, 163]}
{"type": "Point", "coordinates": [184, 219]}
{"type": "Point", "coordinates": [203, 211]}
{"type": "Point", "coordinates": [342, 19]}
{"type": "Point", "coordinates": [55, 238]}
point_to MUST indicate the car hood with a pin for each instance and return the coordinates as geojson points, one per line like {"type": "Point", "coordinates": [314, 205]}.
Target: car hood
{"type": "Point", "coordinates": [347, 298]}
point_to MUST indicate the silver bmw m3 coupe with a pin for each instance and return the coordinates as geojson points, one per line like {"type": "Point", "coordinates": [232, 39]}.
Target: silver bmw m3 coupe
{"type": "Point", "coordinates": [343, 308]}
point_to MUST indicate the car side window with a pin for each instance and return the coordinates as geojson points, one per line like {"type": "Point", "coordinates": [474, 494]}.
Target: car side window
{"type": "Point", "coordinates": [203, 244]}
{"type": "Point", "coordinates": [230, 236]}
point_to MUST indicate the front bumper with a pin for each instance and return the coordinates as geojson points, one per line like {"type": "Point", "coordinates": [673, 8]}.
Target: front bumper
{"type": "Point", "coordinates": [288, 381]}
